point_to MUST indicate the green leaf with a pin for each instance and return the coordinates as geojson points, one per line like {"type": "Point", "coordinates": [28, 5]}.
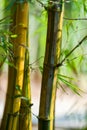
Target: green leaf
{"type": "Point", "coordinates": [5, 20]}
{"type": "Point", "coordinates": [2, 56]}
{"type": "Point", "coordinates": [74, 88]}
{"type": "Point", "coordinates": [9, 6]}
{"type": "Point", "coordinates": [41, 69]}
{"type": "Point", "coordinates": [85, 5]}
{"type": "Point", "coordinates": [64, 76]}
{"type": "Point", "coordinates": [13, 36]}
{"type": "Point", "coordinates": [61, 87]}
{"type": "Point", "coordinates": [10, 64]}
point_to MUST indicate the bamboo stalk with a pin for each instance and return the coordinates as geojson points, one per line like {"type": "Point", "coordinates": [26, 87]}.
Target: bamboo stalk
{"type": "Point", "coordinates": [49, 80]}
{"type": "Point", "coordinates": [10, 89]}
{"type": "Point", "coordinates": [21, 29]}
{"type": "Point", "coordinates": [25, 111]}
{"type": "Point", "coordinates": [19, 52]}
{"type": "Point", "coordinates": [9, 99]}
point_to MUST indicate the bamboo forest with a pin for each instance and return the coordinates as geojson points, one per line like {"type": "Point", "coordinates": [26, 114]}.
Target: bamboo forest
{"type": "Point", "coordinates": [43, 58]}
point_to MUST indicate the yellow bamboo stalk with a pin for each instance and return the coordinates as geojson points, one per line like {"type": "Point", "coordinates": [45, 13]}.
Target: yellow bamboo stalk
{"type": "Point", "coordinates": [25, 121]}
{"type": "Point", "coordinates": [20, 43]}
{"type": "Point", "coordinates": [49, 80]}
{"type": "Point", "coordinates": [25, 110]}
{"type": "Point", "coordinates": [9, 99]}
{"type": "Point", "coordinates": [10, 90]}
{"type": "Point", "coordinates": [21, 29]}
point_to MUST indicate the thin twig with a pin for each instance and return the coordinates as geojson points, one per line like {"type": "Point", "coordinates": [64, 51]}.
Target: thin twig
{"type": "Point", "coordinates": [43, 5]}
{"type": "Point", "coordinates": [69, 60]}
{"type": "Point", "coordinates": [74, 18]}
{"type": "Point", "coordinates": [36, 60]}
{"type": "Point", "coordinates": [61, 63]}
{"type": "Point", "coordinates": [4, 18]}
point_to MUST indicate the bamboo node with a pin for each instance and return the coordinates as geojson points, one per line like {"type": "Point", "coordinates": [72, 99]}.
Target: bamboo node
{"type": "Point", "coordinates": [49, 65]}
{"type": "Point", "coordinates": [14, 114]}
{"type": "Point", "coordinates": [45, 118]}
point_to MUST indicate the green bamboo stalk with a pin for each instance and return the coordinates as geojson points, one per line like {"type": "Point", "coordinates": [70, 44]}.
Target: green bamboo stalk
{"type": "Point", "coordinates": [49, 80]}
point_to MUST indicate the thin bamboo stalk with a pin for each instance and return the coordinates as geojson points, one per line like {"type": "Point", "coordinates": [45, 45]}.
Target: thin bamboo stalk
{"type": "Point", "coordinates": [25, 121]}
{"type": "Point", "coordinates": [25, 111]}
{"type": "Point", "coordinates": [49, 80]}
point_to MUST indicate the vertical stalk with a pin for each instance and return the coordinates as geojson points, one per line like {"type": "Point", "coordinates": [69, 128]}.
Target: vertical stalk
{"type": "Point", "coordinates": [49, 80]}
{"type": "Point", "coordinates": [9, 99]}
{"type": "Point", "coordinates": [25, 111]}
{"type": "Point", "coordinates": [19, 52]}
{"type": "Point", "coordinates": [13, 102]}
{"type": "Point", "coordinates": [10, 86]}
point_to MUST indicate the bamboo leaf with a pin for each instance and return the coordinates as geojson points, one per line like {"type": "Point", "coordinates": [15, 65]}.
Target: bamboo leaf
{"type": "Point", "coordinates": [13, 36]}
{"type": "Point", "coordinates": [2, 56]}
{"type": "Point", "coordinates": [85, 5]}
{"type": "Point", "coordinates": [10, 5]}
{"type": "Point", "coordinates": [10, 64]}
{"type": "Point", "coordinates": [41, 69]}
{"type": "Point", "coordinates": [73, 87]}
{"type": "Point", "coordinates": [62, 88]}
{"type": "Point", "coordinates": [64, 76]}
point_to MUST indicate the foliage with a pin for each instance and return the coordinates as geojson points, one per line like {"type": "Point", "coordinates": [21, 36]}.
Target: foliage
{"type": "Point", "coordinates": [5, 46]}
{"type": "Point", "coordinates": [77, 9]}
{"type": "Point", "coordinates": [73, 87]}
{"type": "Point", "coordinates": [74, 28]}
{"type": "Point", "coordinates": [73, 31]}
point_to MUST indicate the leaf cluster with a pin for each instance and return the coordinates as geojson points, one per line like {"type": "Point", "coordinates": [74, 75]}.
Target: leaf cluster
{"type": "Point", "coordinates": [64, 79]}
{"type": "Point", "coordinates": [5, 47]}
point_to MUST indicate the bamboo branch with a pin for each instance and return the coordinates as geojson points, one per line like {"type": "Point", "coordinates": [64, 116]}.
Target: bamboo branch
{"type": "Point", "coordinates": [74, 18]}
{"type": "Point", "coordinates": [36, 60]}
{"type": "Point", "coordinates": [61, 63]}
{"type": "Point", "coordinates": [41, 3]}
{"type": "Point", "coordinates": [48, 7]}
{"type": "Point", "coordinates": [5, 18]}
